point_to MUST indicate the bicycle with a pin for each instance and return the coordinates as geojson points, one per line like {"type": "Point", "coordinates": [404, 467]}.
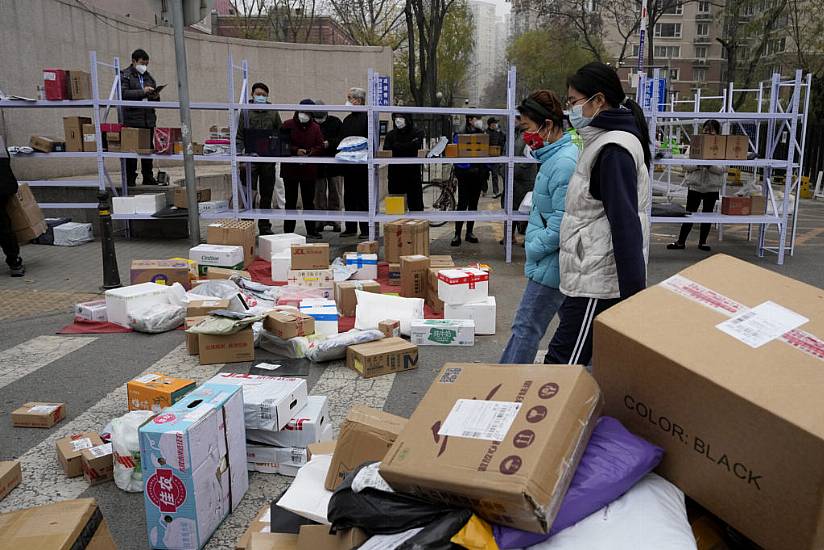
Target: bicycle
{"type": "Point", "coordinates": [445, 201]}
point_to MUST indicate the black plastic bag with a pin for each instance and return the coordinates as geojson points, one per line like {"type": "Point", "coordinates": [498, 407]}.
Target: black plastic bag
{"type": "Point", "coordinates": [438, 534]}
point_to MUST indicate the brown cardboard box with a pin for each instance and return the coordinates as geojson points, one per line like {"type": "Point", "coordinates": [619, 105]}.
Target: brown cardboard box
{"type": "Point", "coordinates": [394, 274]}
{"type": "Point", "coordinates": [317, 537]}
{"type": "Point", "coordinates": [322, 448]}
{"type": "Point", "coordinates": [539, 419]}
{"type": "Point", "coordinates": [405, 238]}
{"type": "Point", "coordinates": [390, 328]}
{"type": "Point", "coordinates": [365, 435]}
{"type": "Point", "coordinates": [200, 308]}
{"type": "Point", "coordinates": [382, 357]}
{"type": "Point", "coordinates": [451, 150]}
{"type": "Point", "coordinates": [38, 415]}
{"type": "Point", "coordinates": [494, 151]}
{"type": "Point", "coordinates": [46, 144]}
{"type": "Point", "coordinates": [758, 205]}
{"type": "Point", "coordinates": [98, 464]}
{"type": "Point", "coordinates": [181, 198]}
{"type": "Point", "coordinates": [254, 527]}
{"type": "Point", "coordinates": [740, 426]}
{"type": "Point", "coordinates": [432, 299]}
{"type": "Point", "coordinates": [234, 232]}
{"type": "Point", "coordinates": [285, 325]}
{"type": "Point", "coordinates": [736, 148]}
{"type": "Point", "coordinates": [135, 140]}
{"type": "Point", "coordinates": [27, 219]}
{"type": "Point", "coordinates": [89, 138]}
{"type": "Point", "coordinates": [310, 256]}
{"type": "Point", "coordinates": [10, 476]}
{"type": "Point", "coordinates": [226, 273]}
{"type": "Point", "coordinates": [382, 154]}
{"type": "Point", "coordinates": [708, 147]}
{"type": "Point", "coordinates": [273, 541]}
{"type": "Point", "coordinates": [69, 449]}
{"type": "Point", "coordinates": [232, 348]}
{"type": "Point", "coordinates": [75, 523]}
{"type": "Point", "coordinates": [736, 206]}
{"type": "Point", "coordinates": [80, 84]}
{"type": "Point", "coordinates": [73, 132]}
{"type": "Point", "coordinates": [441, 262]}
{"type": "Point", "coordinates": [368, 247]}
{"type": "Point", "coordinates": [473, 151]}
{"type": "Point", "coordinates": [112, 140]}
{"type": "Point", "coordinates": [154, 392]}
{"type": "Point", "coordinates": [414, 276]}
{"type": "Point", "coordinates": [345, 296]}
{"type": "Point", "coordinates": [193, 340]}
{"type": "Point", "coordinates": [162, 272]}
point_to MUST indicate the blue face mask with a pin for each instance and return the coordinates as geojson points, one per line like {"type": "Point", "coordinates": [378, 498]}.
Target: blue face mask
{"type": "Point", "coordinates": [260, 98]}
{"type": "Point", "coordinates": [577, 118]}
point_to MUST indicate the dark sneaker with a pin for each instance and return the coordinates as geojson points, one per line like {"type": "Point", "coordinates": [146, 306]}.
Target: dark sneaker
{"type": "Point", "coordinates": [676, 246]}
{"type": "Point", "coordinates": [265, 231]}
{"type": "Point", "coordinates": [363, 237]}
{"type": "Point", "coordinates": [315, 236]}
{"type": "Point", "coordinates": [704, 247]}
{"type": "Point", "coordinates": [19, 270]}
{"type": "Point", "coordinates": [348, 233]}
{"type": "Point", "coordinates": [471, 238]}
{"type": "Point", "coordinates": [456, 241]}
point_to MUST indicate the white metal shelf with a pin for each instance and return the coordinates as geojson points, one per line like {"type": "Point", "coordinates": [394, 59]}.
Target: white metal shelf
{"type": "Point", "coordinates": [702, 116]}
{"type": "Point", "coordinates": [140, 217]}
{"type": "Point", "coordinates": [441, 160]}
{"type": "Point", "coordinates": [60, 183]}
{"type": "Point", "coordinates": [714, 217]}
{"type": "Point", "coordinates": [449, 216]}
{"type": "Point", "coordinates": [176, 156]}
{"type": "Point", "coordinates": [295, 160]}
{"type": "Point", "coordinates": [43, 104]}
{"type": "Point", "coordinates": [755, 163]}
{"type": "Point", "coordinates": [299, 215]}
{"type": "Point", "coordinates": [65, 155]}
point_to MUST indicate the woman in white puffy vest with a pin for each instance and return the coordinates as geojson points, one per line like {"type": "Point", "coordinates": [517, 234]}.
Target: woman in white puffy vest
{"type": "Point", "coordinates": [605, 230]}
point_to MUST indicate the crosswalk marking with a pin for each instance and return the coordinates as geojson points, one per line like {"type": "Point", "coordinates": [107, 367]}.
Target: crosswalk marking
{"type": "Point", "coordinates": [34, 354]}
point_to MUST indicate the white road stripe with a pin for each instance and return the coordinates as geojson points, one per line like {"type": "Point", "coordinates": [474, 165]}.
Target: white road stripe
{"type": "Point", "coordinates": [34, 354]}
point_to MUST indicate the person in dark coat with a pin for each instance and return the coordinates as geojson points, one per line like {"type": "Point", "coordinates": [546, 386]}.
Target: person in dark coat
{"type": "Point", "coordinates": [8, 240]}
{"type": "Point", "coordinates": [306, 140]}
{"type": "Point", "coordinates": [405, 179]}
{"type": "Point", "coordinates": [524, 176]}
{"type": "Point", "coordinates": [497, 138]}
{"type": "Point", "coordinates": [329, 185]}
{"type": "Point", "coordinates": [137, 84]}
{"type": "Point", "coordinates": [355, 177]}
{"type": "Point", "coordinates": [470, 181]}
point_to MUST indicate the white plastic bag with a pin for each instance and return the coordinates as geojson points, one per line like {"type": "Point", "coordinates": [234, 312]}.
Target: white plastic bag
{"type": "Point", "coordinates": [157, 318]}
{"type": "Point", "coordinates": [128, 474]}
{"type": "Point", "coordinates": [239, 301]}
{"type": "Point", "coordinates": [526, 204]}
{"type": "Point", "coordinates": [353, 143]}
{"type": "Point", "coordinates": [334, 347]}
{"type": "Point", "coordinates": [373, 308]}
{"type": "Point", "coordinates": [293, 348]}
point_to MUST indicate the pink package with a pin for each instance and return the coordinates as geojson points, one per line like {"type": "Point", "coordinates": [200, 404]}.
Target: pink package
{"type": "Point", "coordinates": [291, 295]}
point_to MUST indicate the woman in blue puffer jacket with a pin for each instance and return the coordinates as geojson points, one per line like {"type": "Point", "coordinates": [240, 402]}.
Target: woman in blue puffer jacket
{"type": "Point", "coordinates": [543, 116]}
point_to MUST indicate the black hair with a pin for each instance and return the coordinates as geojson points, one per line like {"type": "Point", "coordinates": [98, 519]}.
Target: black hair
{"type": "Point", "coordinates": [596, 77]}
{"type": "Point", "coordinates": [140, 54]}
{"type": "Point", "coordinates": [543, 105]}
{"type": "Point", "coordinates": [260, 85]}
{"type": "Point", "coordinates": [713, 125]}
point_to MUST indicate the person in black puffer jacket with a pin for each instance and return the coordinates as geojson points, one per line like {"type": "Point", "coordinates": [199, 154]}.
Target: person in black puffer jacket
{"type": "Point", "coordinates": [405, 179]}
{"type": "Point", "coordinates": [355, 176]}
{"type": "Point", "coordinates": [137, 84]}
{"type": "Point", "coordinates": [8, 240]}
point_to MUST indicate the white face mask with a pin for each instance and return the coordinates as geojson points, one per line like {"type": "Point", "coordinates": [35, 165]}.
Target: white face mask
{"type": "Point", "coordinates": [304, 118]}
{"type": "Point", "coordinates": [400, 123]}
{"type": "Point", "coordinates": [479, 124]}
{"type": "Point", "coordinates": [349, 103]}
{"type": "Point", "coordinates": [141, 68]}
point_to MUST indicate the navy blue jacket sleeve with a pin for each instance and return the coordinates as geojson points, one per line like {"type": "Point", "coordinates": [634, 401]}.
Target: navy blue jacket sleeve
{"type": "Point", "coordinates": [614, 181]}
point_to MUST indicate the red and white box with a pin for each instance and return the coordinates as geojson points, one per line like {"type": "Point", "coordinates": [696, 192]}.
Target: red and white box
{"type": "Point", "coordinates": [463, 285]}
{"type": "Point", "coordinates": [56, 84]}
{"type": "Point", "coordinates": [165, 139]}
{"type": "Point", "coordinates": [310, 425]}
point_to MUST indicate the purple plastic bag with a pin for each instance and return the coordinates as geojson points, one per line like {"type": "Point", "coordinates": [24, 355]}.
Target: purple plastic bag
{"type": "Point", "coordinates": [613, 462]}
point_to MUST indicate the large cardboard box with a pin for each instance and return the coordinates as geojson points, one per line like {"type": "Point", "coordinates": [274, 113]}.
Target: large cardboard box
{"type": "Point", "coordinates": [269, 402]}
{"type": "Point", "coordinates": [708, 147]}
{"type": "Point", "coordinates": [502, 440]}
{"type": "Point", "coordinates": [27, 219]}
{"type": "Point", "coordinates": [10, 476]}
{"type": "Point", "coordinates": [310, 256]}
{"type": "Point", "coordinates": [232, 348]}
{"type": "Point", "coordinates": [80, 84]}
{"type": "Point", "coordinates": [68, 451]}
{"type": "Point", "coordinates": [193, 458]}
{"type": "Point", "coordinates": [234, 232]}
{"type": "Point", "coordinates": [75, 523]}
{"type": "Point", "coordinates": [365, 435]}
{"type": "Point", "coordinates": [73, 132]}
{"type": "Point", "coordinates": [154, 392]}
{"type": "Point", "coordinates": [38, 415]}
{"type": "Point", "coordinates": [405, 238]}
{"type": "Point", "coordinates": [382, 357]}
{"type": "Point", "coordinates": [463, 285]}
{"type": "Point", "coordinates": [286, 324]}
{"type": "Point", "coordinates": [162, 272]}
{"type": "Point", "coordinates": [181, 198]}
{"type": "Point", "coordinates": [740, 425]}
{"type": "Point", "coordinates": [345, 295]}
{"type": "Point", "coordinates": [414, 271]}
{"type": "Point", "coordinates": [134, 140]}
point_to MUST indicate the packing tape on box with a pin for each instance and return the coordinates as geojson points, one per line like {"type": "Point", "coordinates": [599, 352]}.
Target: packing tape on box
{"type": "Point", "coordinates": [799, 339]}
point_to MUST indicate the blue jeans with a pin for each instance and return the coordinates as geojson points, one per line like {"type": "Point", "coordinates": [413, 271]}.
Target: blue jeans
{"type": "Point", "coordinates": [538, 306]}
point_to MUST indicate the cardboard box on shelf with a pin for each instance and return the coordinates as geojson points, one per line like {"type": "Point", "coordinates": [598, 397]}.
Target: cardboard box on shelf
{"type": "Point", "coordinates": [46, 144]}
{"type": "Point", "coordinates": [443, 332]}
{"type": "Point", "coordinates": [451, 150]}
{"type": "Point", "coordinates": [391, 328]}
{"type": "Point", "coordinates": [80, 84]}
{"type": "Point", "coordinates": [758, 205]}
{"type": "Point", "coordinates": [112, 140]}
{"type": "Point", "coordinates": [73, 132]}
{"type": "Point", "coordinates": [281, 266]}
{"type": "Point", "coordinates": [199, 308]}
{"type": "Point", "coordinates": [494, 151]}
{"type": "Point", "coordinates": [162, 272]}
{"type": "Point", "coordinates": [395, 204]}
{"type": "Point", "coordinates": [91, 311]}
{"type": "Point", "coordinates": [89, 138]}
{"type": "Point", "coordinates": [231, 348]}
{"type": "Point", "coordinates": [181, 198]}
{"type": "Point", "coordinates": [38, 415]}
{"type": "Point", "coordinates": [56, 84]}
{"type": "Point", "coordinates": [193, 340]}
{"type": "Point", "coordinates": [413, 276]}
{"type": "Point", "coordinates": [123, 205]}
{"type": "Point", "coordinates": [313, 278]}
{"type": "Point", "coordinates": [120, 302]}
{"type": "Point", "coordinates": [708, 147]}
{"type": "Point", "coordinates": [484, 314]}
{"type": "Point", "coordinates": [76, 523]}
{"type": "Point", "coordinates": [285, 324]}
{"type": "Point", "coordinates": [741, 432]}
{"type": "Point", "coordinates": [194, 465]}
{"type": "Point", "coordinates": [269, 245]}
{"type": "Point", "coordinates": [164, 140]}
{"type": "Point", "coordinates": [310, 256]}
{"type": "Point", "coordinates": [318, 537]}
{"type": "Point", "coordinates": [366, 263]}
{"type": "Point", "coordinates": [149, 203]}
{"type": "Point", "coordinates": [463, 285]}
{"type": "Point", "coordinates": [269, 402]}
{"type": "Point", "coordinates": [480, 426]}
{"type": "Point", "coordinates": [216, 255]}
{"type": "Point", "coordinates": [308, 426]}
{"type": "Point", "coordinates": [405, 238]}
{"type": "Point", "coordinates": [366, 434]}
{"type": "Point", "coordinates": [394, 274]}
{"type": "Point", "coordinates": [10, 476]}
{"type": "Point", "coordinates": [345, 296]}
{"type": "Point", "coordinates": [98, 464]}
{"type": "Point", "coordinates": [222, 273]}
{"type": "Point", "coordinates": [473, 151]}
{"type": "Point", "coordinates": [154, 392]}
{"type": "Point", "coordinates": [68, 451]}
{"type": "Point", "coordinates": [368, 247]}
{"type": "Point", "coordinates": [234, 232]}
{"type": "Point", "coordinates": [736, 147]}
{"type": "Point", "coordinates": [27, 219]}
{"type": "Point", "coordinates": [135, 140]}
{"type": "Point", "coordinates": [382, 154]}
{"type": "Point", "coordinates": [382, 357]}
{"type": "Point", "coordinates": [736, 206]}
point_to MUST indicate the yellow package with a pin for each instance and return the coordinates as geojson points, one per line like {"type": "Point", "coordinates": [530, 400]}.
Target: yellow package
{"type": "Point", "coordinates": [476, 535]}
{"type": "Point", "coordinates": [193, 275]}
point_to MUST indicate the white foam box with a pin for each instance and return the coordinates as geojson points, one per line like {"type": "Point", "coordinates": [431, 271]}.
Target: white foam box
{"type": "Point", "coordinates": [443, 332]}
{"type": "Point", "coordinates": [281, 265]}
{"type": "Point", "coordinates": [269, 245]}
{"type": "Point", "coordinates": [267, 454]}
{"type": "Point", "coordinates": [149, 203]}
{"type": "Point", "coordinates": [91, 311]}
{"type": "Point", "coordinates": [483, 313]}
{"type": "Point", "coordinates": [212, 206]}
{"type": "Point", "coordinates": [193, 457]}
{"type": "Point", "coordinates": [269, 402]}
{"type": "Point", "coordinates": [462, 285]}
{"type": "Point", "coordinates": [120, 302]}
{"type": "Point", "coordinates": [367, 265]}
{"type": "Point", "coordinates": [324, 312]}
{"type": "Point", "coordinates": [123, 205]}
{"type": "Point", "coordinates": [305, 428]}
{"type": "Point", "coordinates": [216, 255]}
{"type": "Point", "coordinates": [72, 234]}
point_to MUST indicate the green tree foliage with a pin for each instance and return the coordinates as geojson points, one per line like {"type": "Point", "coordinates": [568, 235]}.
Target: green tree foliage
{"type": "Point", "coordinates": [544, 59]}
{"type": "Point", "coordinates": [455, 50]}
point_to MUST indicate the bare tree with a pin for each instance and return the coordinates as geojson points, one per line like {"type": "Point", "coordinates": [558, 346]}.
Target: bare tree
{"type": "Point", "coordinates": [424, 25]}
{"type": "Point", "coordinates": [251, 19]}
{"type": "Point", "coordinates": [580, 17]}
{"type": "Point", "coordinates": [371, 22]}
{"type": "Point", "coordinates": [279, 20]}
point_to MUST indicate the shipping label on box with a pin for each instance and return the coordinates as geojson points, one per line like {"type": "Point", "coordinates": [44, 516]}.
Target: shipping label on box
{"type": "Point", "coordinates": [313, 278]}
{"type": "Point", "coordinates": [368, 247]}
{"type": "Point", "coordinates": [307, 426]}
{"type": "Point", "coordinates": [521, 429]}
{"type": "Point", "coordinates": [269, 245]}
{"type": "Point", "coordinates": [230, 348]}
{"type": "Point", "coordinates": [266, 454]}
{"type": "Point", "coordinates": [181, 199]}
{"type": "Point", "coordinates": [484, 314]}
{"type": "Point", "coordinates": [345, 296]}
{"type": "Point", "coordinates": [286, 325]}
{"type": "Point", "coordinates": [310, 256]}
{"type": "Point", "coordinates": [98, 464]}
{"type": "Point", "coordinates": [382, 357]}
{"type": "Point", "coordinates": [212, 206]}
{"type": "Point", "coordinates": [194, 466]}
{"type": "Point", "coordinates": [234, 232]}
{"type": "Point", "coordinates": [162, 272]}
{"type": "Point", "coordinates": [154, 392]}
{"type": "Point", "coordinates": [367, 265]}
{"type": "Point", "coordinates": [91, 311]}
{"type": "Point", "coordinates": [38, 415]}
{"type": "Point", "coordinates": [10, 476]}
{"type": "Point", "coordinates": [215, 255]}
{"type": "Point", "coordinates": [56, 84]}
{"type": "Point", "coordinates": [461, 286]}
{"type": "Point", "coordinates": [413, 276]}
{"type": "Point", "coordinates": [269, 402]}
{"type": "Point", "coordinates": [68, 451]}
{"type": "Point", "coordinates": [443, 332]}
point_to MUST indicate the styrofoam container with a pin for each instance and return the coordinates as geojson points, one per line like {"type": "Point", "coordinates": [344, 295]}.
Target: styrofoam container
{"type": "Point", "coordinates": [72, 234]}
{"type": "Point", "coordinates": [483, 313]}
{"type": "Point", "coordinates": [367, 265]}
{"type": "Point", "coordinates": [305, 428]}
{"type": "Point", "coordinates": [325, 316]}
{"type": "Point", "coordinates": [269, 245]}
{"type": "Point", "coordinates": [217, 255]}
{"type": "Point", "coordinates": [212, 206]}
{"type": "Point", "coordinates": [443, 332]}
{"type": "Point", "coordinates": [269, 402]}
{"type": "Point", "coordinates": [463, 285]}
{"type": "Point", "coordinates": [281, 265]}
{"type": "Point", "coordinates": [120, 302]}
{"type": "Point", "coordinates": [149, 203]}
{"type": "Point", "coordinates": [123, 205]}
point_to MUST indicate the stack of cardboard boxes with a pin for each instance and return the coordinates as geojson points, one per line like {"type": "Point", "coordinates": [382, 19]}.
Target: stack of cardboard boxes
{"type": "Point", "coordinates": [277, 249]}
{"type": "Point", "coordinates": [473, 145]}
{"type": "Point", "coordinates": [463, 293]}
{"type": "Point", "coordinates": [404, 238]}
{"type": "Point", "coordinates": [309, 268]}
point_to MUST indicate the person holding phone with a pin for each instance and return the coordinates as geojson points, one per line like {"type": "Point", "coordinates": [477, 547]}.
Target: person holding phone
{"type": "Point", "coordinates": [137, 84]}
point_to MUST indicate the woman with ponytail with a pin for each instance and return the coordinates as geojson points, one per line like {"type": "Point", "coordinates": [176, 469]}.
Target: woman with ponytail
{"type": "Point", "coordinates": [605, 230]}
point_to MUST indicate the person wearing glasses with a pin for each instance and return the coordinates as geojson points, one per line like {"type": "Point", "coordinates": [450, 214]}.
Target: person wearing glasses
{"type": "Point", "coordinates": [605, 230]}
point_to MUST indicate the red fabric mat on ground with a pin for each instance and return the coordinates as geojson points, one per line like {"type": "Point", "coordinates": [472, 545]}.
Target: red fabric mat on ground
{"type": "Point", "coordinates": [92, 327]}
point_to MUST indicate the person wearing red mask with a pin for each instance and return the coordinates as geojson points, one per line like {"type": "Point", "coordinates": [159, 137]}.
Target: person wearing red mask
{"type": "Point", "coordinates": [544, 136]}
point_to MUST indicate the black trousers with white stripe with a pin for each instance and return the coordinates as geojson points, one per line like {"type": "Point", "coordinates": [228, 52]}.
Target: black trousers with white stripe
{"type": "Point", "coordinates": [572, 342]}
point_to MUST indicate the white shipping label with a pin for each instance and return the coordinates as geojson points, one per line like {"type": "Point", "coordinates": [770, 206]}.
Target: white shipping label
{"type": "Point", "coordinates": [50, 76]}
{"type": "Point", "coordinates": [101, 450]}
{"type": "Point", "coordinates": [44, 409]}
{"type": "Point", "coordinates": [89, 138]}
{"type": "Point", "coordinates": [762, 324]}
{"type": "Point", "coordinates": [80, 444]}
{"type": "Point", "coordinates": [477, 419]}
{"type": "Point", "coordinates": [147, 378]}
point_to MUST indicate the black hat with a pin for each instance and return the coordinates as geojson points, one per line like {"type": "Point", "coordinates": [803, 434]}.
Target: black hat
{"type": "Point", "coordinates": [306, 102]}
{"type": "Point", "coordinates": [492, 120]}
{"type": "Point", "coordinates": [260, 85]}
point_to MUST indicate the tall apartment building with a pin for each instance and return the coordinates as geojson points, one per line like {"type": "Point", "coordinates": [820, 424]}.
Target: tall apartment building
{"type": "Point", "coordinates": [524, 17]}
{"type": "Point", "coordinates": [484, 54]}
